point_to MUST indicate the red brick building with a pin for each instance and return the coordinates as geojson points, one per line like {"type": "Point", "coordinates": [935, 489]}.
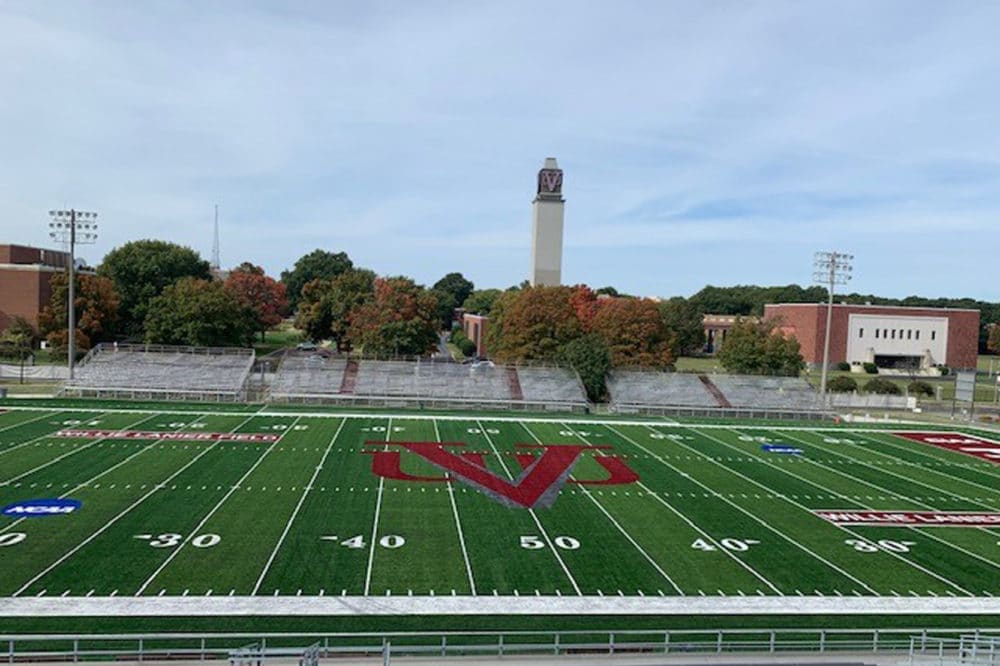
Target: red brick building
{"type": "Point", "coordinates": [889, 336]}
{"type": "Point", "coordinates": [474, 327]}
{"type": "Point", "coordinates": [24, 281]}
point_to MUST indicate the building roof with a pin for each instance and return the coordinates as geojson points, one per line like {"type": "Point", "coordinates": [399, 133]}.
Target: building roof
{"type": "Point", "coordinates": [870, 305]}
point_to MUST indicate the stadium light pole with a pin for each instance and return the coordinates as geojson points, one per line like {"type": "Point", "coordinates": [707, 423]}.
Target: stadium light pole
{"type": "Point", "coordinates": [75, 228]}
{"type": "Point", "coordinates": [830, 269]}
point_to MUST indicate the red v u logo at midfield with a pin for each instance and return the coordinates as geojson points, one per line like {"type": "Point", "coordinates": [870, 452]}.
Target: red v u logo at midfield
{"type": "Point", "coordinates": [536, 487]}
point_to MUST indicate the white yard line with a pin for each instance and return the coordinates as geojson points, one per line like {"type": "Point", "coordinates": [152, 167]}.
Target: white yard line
{"type": "Point", "coordinates": [378, 509]}
{"type": "Point", "coordinates": [705, 535]}
{"type": "Point", "coordinates": [37, 418]}
{"type": "Point", "coordinates": [47, 435]}
{"type": "Point", "coordinates": [354, 606]}
{"type": "Point", "coordinates": [108, 524]}
{"type": "Point", "coordinates": [298, 507]}
{"type": "Point", "coordinates": [928, 534]}
{"type": "Point", "coordinates": [755, 517]}
{"type": "Point", "coordinates": [458, 522]}
{"type": "Point", "coordinates": [785, 498]}
{"type": "Point", "coordinates": [94, 478]}
{"type": "Point", "coordinates": [926, 451]}
{"type": "Point", "coordinates": [612, 520]}
{"type": "Point", "coordinates": [531, 512]}
{"type": "Point", "coordinates": [73, 451]}
{"type": "Point", "coordinates": [176, 551]}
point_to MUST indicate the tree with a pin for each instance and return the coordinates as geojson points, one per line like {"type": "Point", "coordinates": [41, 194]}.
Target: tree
{"type": "Point", "coordinates": [634, 332]}
{"type": "Point", "coordinates": [446, 305]}
{"type": "Point", "coordinates": [758, 348]}
{"type": "Point", "coordinates": [481, 301]}
{"type": "Point", "coordinates": [686, 320]}
{"type": "Point", "coordinates": [842, 384]}
{"type": "Point", "coordinates": [199, 313]}
{"type": "Point", "coordinates": [141, 270]}
{"type": "Point", "coordinates": [994, 338]}
{"type": "Point", "coordinates": [326, 305]}
{"type": "Point", "coordinates": [401, 318]}
{"type": "Point", "coordinates": [17, 342]}
{"type": "Point", "coordinates": [96, 307]}
{"type": "Point", "coordinates": [318, 264]}
{"type": "Point", "coordinates": [257, 292]}
{"type": "Point", "coordinates": [533, 323]}
{"type": "Point", "coordinates": [456, 285]}
{"type": "Point", "coordinates": [590, 357]}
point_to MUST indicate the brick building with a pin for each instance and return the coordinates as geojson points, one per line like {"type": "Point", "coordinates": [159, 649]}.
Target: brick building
{"type": "Point", "coordinates": [889, 336]}
{"type": "Point", "coordinates": [474, 326]}
{"type": "Point", "coordinates": [24, 281]}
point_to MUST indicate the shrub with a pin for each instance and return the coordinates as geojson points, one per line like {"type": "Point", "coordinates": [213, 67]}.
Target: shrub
{"type": "Point", "coordinates": [881, 387]}
{"type": "Point", "coordinates": [462, 341]}
{"type": "Point", "coordinates": [842, 385]}
{"type": "Point", "coordinates": [871, 368]}
{"type": "Point", "coordinates": [945, 370]}
{"type": "Point", "coordinates": [844, 366]}
{"type": "Point", "coordinates": [918, 388]}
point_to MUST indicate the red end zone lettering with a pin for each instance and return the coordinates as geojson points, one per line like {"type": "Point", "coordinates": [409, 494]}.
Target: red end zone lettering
{"type": "Point", "coordinates": [177, 436]}
{"type": "Point", "coordinates": [957, 442]}
{"type": "Point", "coordinates": [915, 518]}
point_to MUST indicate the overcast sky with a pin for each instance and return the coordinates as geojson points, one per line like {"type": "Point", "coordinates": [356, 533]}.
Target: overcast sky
{"type": "Point", "coordinates": [702, 142]}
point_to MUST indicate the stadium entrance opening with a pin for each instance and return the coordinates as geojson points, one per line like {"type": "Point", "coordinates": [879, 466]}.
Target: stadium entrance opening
{"type": "Point", "coordinates": [893, 362]}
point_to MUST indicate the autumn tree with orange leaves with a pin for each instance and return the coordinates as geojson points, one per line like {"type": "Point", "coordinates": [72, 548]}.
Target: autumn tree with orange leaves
{"type": "Point", "coordinates": [401, 319]}
{"type": "Point", "coordinates": [634, 331]}
{"type": "Point", "coordinates": [534, 323]}
{"type": "Point", "coordinates": [264, 296]}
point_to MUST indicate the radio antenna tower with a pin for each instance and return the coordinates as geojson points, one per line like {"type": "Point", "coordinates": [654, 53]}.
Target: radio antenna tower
{"type": "Point", "coordinates": [216, 262]}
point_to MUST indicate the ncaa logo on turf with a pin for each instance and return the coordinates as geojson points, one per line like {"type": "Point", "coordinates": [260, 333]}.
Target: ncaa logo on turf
{"type": "Point", "coordinates": [545, 469]}
{"type": "Point", "coordinates": [40, 508]}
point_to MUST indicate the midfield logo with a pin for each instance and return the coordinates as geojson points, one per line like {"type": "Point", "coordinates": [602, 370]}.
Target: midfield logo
{"type": "Point", "coordinates": [537, 486]}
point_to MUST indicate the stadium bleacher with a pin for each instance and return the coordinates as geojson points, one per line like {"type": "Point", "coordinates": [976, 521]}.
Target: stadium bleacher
{"type": "Point", "coordinates": [654, 391]}
{"type": "Point", "coordinates": [126, 370]}
{"type": "Point", "coordinates": [426, 383]}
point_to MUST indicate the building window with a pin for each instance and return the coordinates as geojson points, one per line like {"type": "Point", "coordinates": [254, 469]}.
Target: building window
{"type": "Point", "coordinates": [933, 335]}
{"type": "Point", "coordinates": [918, 334]}
{"type": "Point", "coordinates": [893, 334]}
{"type": "Point", "coordinates": [861, 332]}
{"type": "Point", "coordinates": [909, 334]}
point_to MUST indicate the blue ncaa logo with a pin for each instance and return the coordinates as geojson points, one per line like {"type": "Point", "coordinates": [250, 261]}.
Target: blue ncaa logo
{"type": "Point", "coordinates": [40, 508]}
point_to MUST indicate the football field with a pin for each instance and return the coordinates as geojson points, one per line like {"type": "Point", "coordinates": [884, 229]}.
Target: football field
{"type": "Point", "coordinates": [127, 503]}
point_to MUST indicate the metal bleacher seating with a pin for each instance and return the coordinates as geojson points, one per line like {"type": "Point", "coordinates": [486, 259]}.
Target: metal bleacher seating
{"type": "Point", "coordinates": [432, 380]}
{"type": "Point", "coordinates": [638, 387]}
{"type": "Point", "coordinates": [791, 393]}
{"type": "Point", "coordinates": [308, 375]}
{"type": "Point", "coordinates": [541, 384]}
{"type": "Point", "coordinates": [126, 370]}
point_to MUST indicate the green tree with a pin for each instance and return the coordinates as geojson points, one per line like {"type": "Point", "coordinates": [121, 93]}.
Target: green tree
{"type": "Point", "coordinates": [758, 348]}
{"type": "Point", "coordinates": [994, 338]}
{"type": "Point", "coordinates": [141, 270]}
{"type": "Point", "coordinates": [326, 305]}
{"type": "Point", "coordinates": [318, 264]}
{"type": "Point", "coordinates": [446, 305]}
{"type": "Point", "coordinates": [199, 313]}
{"type": "Point", "coordinates": [401, 319]}
{"type": "Point", "coordinates": [481, 301]}
{"type": "Point", "coordinates": [685, 319]}
{"type": "Point", "coordinates": [456, 285]}
{"type": "Point", "coordinates": [17, 341]}
{"type": "Point", "coordinates": [590, 357]}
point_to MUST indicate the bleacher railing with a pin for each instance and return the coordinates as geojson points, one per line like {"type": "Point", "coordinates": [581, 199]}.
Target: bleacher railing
{"type": "Point", "coordinates": [915, 643]}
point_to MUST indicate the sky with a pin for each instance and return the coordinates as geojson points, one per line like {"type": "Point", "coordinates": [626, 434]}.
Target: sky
{"type": "Point", "coordinates": [702, 142]}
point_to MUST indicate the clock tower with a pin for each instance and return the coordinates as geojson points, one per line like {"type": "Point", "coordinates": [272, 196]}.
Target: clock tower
{"type": "Point", "coordinates": [547, 226]}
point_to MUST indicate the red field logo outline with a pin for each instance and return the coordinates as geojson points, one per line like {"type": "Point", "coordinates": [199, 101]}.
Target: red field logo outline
{"type": "Point", "coordinates": [537, 486]}
{"type": "Point", "coordinates": [959, 443]}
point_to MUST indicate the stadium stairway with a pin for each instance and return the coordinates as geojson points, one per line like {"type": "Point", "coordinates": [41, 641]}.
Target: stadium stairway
{"type": "Point", "coordinates": [514, 383]}
{"type": "Point", "coordinates": [715, 391]}
{"type": "Point", "coordinates": [350, 379]}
